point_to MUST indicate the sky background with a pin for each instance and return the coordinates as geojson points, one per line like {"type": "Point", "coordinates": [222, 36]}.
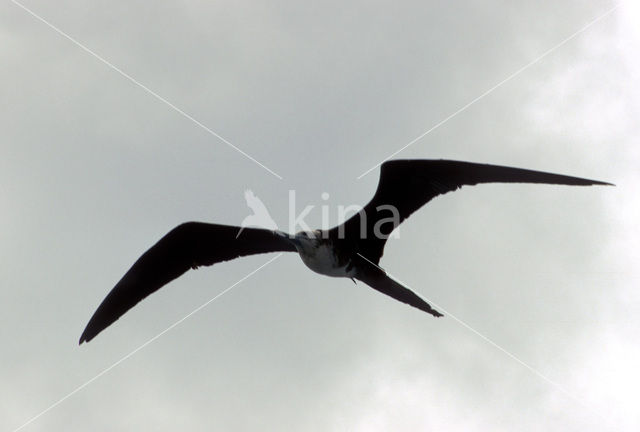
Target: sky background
{"type": "Point", "coordinates": [94, 170]}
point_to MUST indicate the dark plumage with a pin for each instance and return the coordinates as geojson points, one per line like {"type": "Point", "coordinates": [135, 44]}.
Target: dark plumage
{"type": "Point", "coordinates": [408, 184]}
{"type": "Point", "coordinates": [187, 246]}
{"type": "Point", "coordinates": [352, 249]}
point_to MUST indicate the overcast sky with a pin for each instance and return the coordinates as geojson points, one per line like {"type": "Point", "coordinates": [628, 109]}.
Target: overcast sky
{"type": "Point", "coordinates": [94, 169]}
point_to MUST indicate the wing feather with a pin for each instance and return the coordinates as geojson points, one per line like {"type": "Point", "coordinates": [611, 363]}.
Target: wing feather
{"type": "Point", "coordinates": [409, 184]}
{"type": "Point", "coordinates": [189, 245]}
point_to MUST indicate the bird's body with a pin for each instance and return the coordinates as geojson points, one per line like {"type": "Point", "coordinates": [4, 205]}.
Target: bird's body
{"type": "Point", "coordinates": [321, 256]}
{"type": "Point", "coordinates": [352, 249]}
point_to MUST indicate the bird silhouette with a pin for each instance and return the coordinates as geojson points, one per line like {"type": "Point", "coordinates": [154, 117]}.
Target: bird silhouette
{"type": "Point", "coordinates": [260, 217]}
{"type": "Point", "coordinates": [352, 249]}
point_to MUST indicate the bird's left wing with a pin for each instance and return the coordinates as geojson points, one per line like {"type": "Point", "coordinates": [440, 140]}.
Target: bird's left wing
{"type": "Point", "coordinates": [189, 245]}
{"type": "Point", "coordinates": [405, 185]}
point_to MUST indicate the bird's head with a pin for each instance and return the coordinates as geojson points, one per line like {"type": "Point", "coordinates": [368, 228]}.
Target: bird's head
{"type": "Point", "coordinates": [306, 241]}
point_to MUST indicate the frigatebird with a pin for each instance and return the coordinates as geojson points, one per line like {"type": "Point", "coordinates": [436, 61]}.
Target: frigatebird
{"type": "Point", "coordinates": [352, 249]}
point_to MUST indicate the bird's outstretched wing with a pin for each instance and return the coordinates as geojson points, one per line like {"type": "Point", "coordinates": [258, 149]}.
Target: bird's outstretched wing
{"type": "Point", "coordinates": [406, 185]}
{"type": "Point", "coordinates": [377, 279]}
{"type": "Point", "coordinates": [189, 245]}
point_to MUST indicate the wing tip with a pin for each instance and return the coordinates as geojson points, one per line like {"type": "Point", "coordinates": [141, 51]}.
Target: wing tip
{"type": "Point", "coordinates": [87, 335]}
{"type": "Point", "coordinates": [589, 182]}
{"type": "Point", "coordinates": [83, 338]}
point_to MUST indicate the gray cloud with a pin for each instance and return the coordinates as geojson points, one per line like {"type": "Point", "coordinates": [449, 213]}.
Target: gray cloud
{"type": "Point", "coordinates": [94, 170]}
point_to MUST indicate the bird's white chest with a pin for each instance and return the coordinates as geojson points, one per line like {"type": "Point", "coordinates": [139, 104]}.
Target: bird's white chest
{"type": "Point", "coordinates": [322, 260]}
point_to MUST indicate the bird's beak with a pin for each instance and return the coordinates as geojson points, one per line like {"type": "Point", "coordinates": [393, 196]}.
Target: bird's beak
{"type": "Point", "coordinates": [291, 237]}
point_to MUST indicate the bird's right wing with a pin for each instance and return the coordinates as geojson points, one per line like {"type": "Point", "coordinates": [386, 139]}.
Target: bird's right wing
{"type": "Point", "coordinates": [189, 245]}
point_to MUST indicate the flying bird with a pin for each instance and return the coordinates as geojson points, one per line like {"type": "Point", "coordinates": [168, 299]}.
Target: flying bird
{"type": "Point", "coordinates": [352, 249]}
